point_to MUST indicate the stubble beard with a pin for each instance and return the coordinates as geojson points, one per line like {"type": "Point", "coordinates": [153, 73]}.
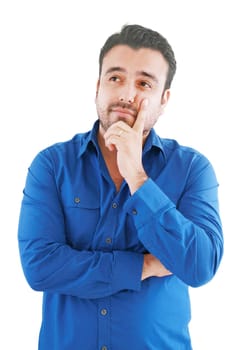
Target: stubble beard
{"type": "Point", "coordinates": [105, 122]}
{"type": "Point", "coordinates": [104, 115]}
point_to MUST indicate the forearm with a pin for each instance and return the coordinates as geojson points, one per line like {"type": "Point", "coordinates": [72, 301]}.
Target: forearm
{"type": "Point", "coordinates": [58, 268]}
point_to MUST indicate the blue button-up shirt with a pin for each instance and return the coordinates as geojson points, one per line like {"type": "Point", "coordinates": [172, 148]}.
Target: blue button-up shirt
{"type": "Point", "coordinates": [82, 243]}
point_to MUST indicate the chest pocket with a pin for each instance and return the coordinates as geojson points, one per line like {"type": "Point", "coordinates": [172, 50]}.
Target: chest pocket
{"type": "Point", "coordinates": [82, 211]}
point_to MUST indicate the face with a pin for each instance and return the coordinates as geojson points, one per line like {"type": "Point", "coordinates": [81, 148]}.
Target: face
{"type": "Point", "coordinates": [128, 76]}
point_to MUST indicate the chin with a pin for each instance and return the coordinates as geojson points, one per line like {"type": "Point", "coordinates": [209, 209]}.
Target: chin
{"type": "Point", "coordinates": [127, 120]}
{"type": "Point", "coordinates": [105, 124]}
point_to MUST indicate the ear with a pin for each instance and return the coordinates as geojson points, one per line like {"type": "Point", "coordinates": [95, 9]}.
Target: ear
{"type": "Point", "coordinates": [164, 100]}
{"type": "Point", "coordinates": [97, 88]}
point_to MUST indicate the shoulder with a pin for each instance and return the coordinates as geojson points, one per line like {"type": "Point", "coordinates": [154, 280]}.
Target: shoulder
{"type": "Point", "coordinates": [74, 144]}
{"type": "Point", "coordinates": [62, 152]}
{"type": "Point", "coordinates": [172, 147]}
{"type": "Point", "coordinates": [190, 161]}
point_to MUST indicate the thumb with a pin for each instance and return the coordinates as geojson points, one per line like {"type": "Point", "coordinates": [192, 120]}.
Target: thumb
{"type": "Point", "coordinates": [141, 117]}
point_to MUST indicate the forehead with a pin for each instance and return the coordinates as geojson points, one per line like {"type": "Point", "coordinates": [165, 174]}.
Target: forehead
{"type": "Point", "coordinates": [135, 60]}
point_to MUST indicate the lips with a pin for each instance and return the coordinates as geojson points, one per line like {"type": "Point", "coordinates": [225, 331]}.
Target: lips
{"type": "Point", "coordinates": [123, 111]}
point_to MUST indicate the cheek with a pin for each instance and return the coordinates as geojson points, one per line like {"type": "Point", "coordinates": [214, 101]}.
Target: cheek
{"type": "Point", "coordinates": [101, 99]}
{"type": "Point", "coordinates": [152, 116]}
{"type": "Point", "coordinates": [101, 105]}
{"type": "Point", "coordinates": [98, 102]}
{"type": "Point", "coordinates": [155, 108]}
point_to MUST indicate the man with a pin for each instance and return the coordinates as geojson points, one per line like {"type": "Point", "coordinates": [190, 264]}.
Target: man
{"type": "Point", "coordinates": [117, 223]}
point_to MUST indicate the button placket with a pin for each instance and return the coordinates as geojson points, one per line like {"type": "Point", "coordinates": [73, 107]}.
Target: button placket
{"type": "Point", "coordinates": [104, 323]}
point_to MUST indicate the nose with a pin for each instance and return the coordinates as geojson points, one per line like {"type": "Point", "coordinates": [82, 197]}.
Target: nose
{"type": "Point", "coordinates": [127, 100]}
{"type": "Point", "coordinates": [127, 94]}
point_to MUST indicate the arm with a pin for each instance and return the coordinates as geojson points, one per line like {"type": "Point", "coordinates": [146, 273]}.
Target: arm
{"type": "Point", "coordinates": [187, 236]}
{"type": "Point", "coordinates": [49, 262]}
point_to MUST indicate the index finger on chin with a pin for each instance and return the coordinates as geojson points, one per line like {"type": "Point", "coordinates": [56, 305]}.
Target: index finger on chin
{"type": "Point", "coordinates": [140, 121]}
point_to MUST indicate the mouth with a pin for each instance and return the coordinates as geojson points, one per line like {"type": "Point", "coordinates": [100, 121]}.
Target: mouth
{"type": "Point", "coordinates": [123, 111]}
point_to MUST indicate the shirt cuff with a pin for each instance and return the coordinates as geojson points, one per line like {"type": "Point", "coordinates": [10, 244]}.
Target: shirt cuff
{"type": "Point", "coordinates": [147, 201]}
{"type": "Point", "coordinates": [127, 270]}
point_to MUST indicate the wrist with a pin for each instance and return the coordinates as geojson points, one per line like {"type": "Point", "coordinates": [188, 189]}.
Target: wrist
{"type": "Point", "coordinates": [136, 181]}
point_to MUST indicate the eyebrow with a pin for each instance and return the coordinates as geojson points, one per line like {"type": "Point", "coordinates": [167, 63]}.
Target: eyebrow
{"type": "Point", "coordinates": [139, 73]}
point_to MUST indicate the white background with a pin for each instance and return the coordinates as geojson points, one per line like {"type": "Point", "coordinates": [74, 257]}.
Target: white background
{"type": "Point", "coordinates": [48, 71]}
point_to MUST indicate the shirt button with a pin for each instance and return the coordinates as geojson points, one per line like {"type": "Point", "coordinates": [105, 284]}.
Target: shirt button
{"type": "Point", "coordinates": [114, 205]}
{"type": "Point", "coordinates": [134, 211]}
{"type": "Point", "coordinates": [104, 312]}
{"type": "Point", "coordinates": [104, 348]}
{"type": "Point", "coordinates": [77, 200]}
{"type": "Point", "coordinates": [108, 240]}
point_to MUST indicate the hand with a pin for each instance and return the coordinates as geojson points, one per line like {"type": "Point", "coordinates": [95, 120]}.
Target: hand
{"type": "Point", "coordinates": [152, 267]}
{"type": "Point", "coordinates": [128, 142]}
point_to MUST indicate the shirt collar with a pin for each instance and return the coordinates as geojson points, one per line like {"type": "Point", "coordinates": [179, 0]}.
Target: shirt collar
{"type": "Point", "coordinates": [153, 141]}
{"type": "Point", "coordinates": [89, 139]}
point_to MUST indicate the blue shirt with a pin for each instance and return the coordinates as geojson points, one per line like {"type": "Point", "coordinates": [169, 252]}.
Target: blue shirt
{"type": "Point", "coordinates": [82, 244]}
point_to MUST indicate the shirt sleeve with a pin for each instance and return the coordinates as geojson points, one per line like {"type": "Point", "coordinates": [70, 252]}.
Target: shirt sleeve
{"type": "Point", "coordinates": [49, 262]}
{"type": "Point", "coordinates": [185, 235]}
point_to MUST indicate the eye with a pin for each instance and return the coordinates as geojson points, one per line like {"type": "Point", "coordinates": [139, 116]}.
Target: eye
{"type": "Point", "coordinates": [114, 78]}
{"type": "Point", "coordinates": [145, 84]}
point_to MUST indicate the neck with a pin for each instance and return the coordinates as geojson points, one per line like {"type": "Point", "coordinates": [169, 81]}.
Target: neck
{"type": "Point", "coordinates": [105, 150]}
{"type": "Point", "coordinates": [110, 158]}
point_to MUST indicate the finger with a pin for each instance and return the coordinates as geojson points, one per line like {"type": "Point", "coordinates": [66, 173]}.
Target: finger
{"type": "Point", "coordinates": [112, 142]}
{"type": "Point", "coordinates": [141, 117]}
{"type": "Point", "coordinates": [118, 129]}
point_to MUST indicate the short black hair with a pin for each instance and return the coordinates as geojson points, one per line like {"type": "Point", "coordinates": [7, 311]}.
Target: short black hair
{"type": "Point", "coordinates": [136, 37]}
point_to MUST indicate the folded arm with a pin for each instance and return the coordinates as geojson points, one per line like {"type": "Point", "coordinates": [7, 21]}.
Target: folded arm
{"type": "Point", "coordinates": [184, 233]}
